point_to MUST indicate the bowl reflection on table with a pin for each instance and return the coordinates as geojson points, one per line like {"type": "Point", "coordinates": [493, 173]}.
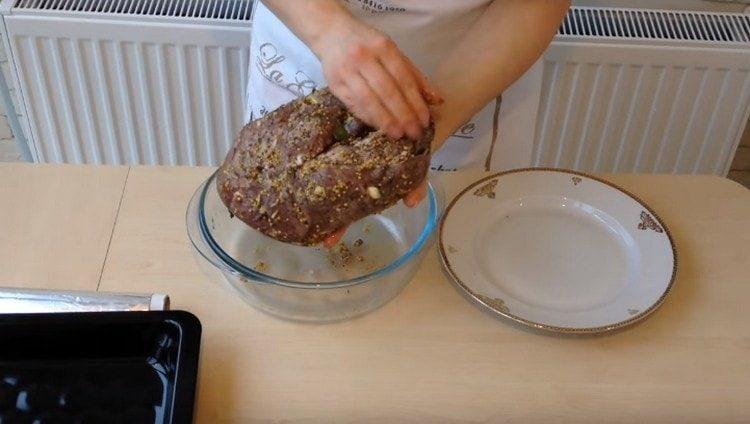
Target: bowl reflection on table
{"type": "Point", "coordinates": [376, 259]}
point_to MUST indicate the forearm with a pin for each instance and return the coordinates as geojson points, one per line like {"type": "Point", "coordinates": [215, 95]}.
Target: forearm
{"type": "Point", "coordinates": [505, 41]}
{"type": "Point", "coordinates": [310, 20]}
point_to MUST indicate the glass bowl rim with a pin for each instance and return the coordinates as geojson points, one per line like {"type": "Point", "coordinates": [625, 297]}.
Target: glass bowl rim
{"type": "Point", "coordinates": [228, 263]}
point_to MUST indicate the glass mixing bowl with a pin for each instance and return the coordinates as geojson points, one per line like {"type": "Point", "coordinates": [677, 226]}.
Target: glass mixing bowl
{"type": "Point", "coordinates": [376, 259]}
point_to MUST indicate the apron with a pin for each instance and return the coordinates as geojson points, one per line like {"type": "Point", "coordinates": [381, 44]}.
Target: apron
{"type": "Point", "coordinates": [283, 68]}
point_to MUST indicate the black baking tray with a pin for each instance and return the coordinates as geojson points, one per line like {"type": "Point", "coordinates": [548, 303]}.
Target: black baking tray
{"type": "Point", "coordinates": [98, 367]}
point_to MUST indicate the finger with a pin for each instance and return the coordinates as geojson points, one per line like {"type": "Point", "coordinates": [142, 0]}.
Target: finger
{"type": "Point", "coordinates": [431, 95]}
{"type": "Point", "coordinates": [417, 195]}
{"type": "Point", "coordinates": [382, 83]}
{"type": "Point", "coordinates": [368, 106]}
{"type": "Point", "coordinates": [334, 238]}
{"type": "Point", "coordinates": [344, 93]}
{"type": "Point", "coordinates": [402, 71]}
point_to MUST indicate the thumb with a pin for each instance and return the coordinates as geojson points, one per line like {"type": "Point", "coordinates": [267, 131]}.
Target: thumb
{"type": "Point", "coordinates": [417, 195]}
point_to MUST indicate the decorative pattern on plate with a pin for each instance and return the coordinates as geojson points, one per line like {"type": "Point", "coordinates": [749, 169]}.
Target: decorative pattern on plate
{"type": "Point", "coordinates": [648, 223]}
{"type": "Point", "coordinates": [452, 249]}
{"type": "Point", "coordinates": [487, 190]}
{"type": "Point", "coordinates": [576, 180]}
{"type": "Point", "coordinates": [494, 303]}
{"type": "Point", "coordinates": [633, 311]}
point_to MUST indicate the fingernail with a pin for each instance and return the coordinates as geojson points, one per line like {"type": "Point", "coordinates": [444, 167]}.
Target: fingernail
{"type": "Point", "coordinates": [432, 97]}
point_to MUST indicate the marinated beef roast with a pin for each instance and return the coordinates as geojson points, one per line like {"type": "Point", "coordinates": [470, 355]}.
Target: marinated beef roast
{"type": "Point", "coordinates": [310, 168]}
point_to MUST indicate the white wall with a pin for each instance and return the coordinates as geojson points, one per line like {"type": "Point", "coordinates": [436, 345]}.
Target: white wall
{"type": "Point", "coordinates": [717, 6]}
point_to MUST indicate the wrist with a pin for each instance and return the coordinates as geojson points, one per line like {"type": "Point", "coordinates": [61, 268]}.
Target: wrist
{"type": "Point", "coordinates": [448, 117]}
{"type": "Point", "coordinates": [328, 26]}
{"type": "Point", "coordinates": [442, 131]}
{"type": "Point", "coordinates": [311, 21]}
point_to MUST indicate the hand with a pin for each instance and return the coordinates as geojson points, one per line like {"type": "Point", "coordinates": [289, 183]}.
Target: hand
{"type": "Point", "coordinates": [367, 71]}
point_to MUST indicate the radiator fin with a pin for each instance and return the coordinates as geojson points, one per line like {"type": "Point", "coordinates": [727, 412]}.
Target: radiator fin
{"type": "Point", "coordinates": [109, 101]}
{"type": "Point", "coordinates": [115, 91]}
{"type": "Point", "coordinates": [640, 117]}
{"type": "Point", "coordinates": [662, 25]}
{"type": "Point", "coordinates": [580, 21]}
{"type": "Point", "coordinates": [223, 10]}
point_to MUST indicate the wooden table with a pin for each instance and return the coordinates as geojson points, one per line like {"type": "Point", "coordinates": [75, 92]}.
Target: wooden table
{"type": "Point", "coordinates": [427, 356]}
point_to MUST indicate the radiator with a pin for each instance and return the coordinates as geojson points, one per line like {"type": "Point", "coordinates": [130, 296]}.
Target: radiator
{"type": "Point", "coordinates": [130, 81]}
{"type": "Point", "coordinates": [644, 91]}
{"type": "Point", "coordinates": [162, 82]}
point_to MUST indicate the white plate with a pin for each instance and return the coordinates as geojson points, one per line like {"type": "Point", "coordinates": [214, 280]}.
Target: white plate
{"type": "Point", "coordinates": [558, 250]}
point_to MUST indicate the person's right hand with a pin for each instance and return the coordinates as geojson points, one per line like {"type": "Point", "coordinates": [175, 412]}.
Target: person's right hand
{"type": "Point", "coordinates": [377, 82]}
{"type": "Point", "coordinates": [368, 72]}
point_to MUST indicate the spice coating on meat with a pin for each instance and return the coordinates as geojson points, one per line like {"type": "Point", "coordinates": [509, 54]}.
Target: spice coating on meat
{"type": "Point", "coordinates": [310, 168]}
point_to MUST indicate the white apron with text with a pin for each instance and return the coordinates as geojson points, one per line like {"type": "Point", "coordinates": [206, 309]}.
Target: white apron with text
{"type": "Point", "coordinates": [499, 137]}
